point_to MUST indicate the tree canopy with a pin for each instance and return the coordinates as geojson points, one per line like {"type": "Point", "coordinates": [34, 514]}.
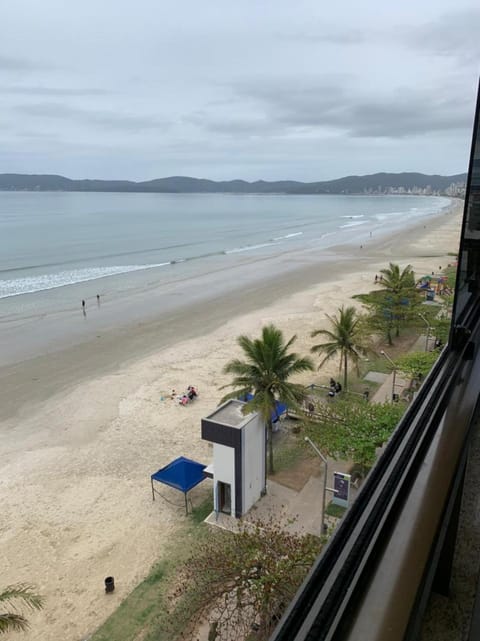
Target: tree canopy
{"type": "Point", "coordinates": [265, 371]}
{"type": "Point", "coordinates": [353, 430]}
{"type": "Point", "coordinates": [416, 364]}
{"type": "Point", "coordinates": [395, 305]}
{"type": "Point", "coordinates": [347, 339]}
{"type": "Point", "coordinates": [244, 581]}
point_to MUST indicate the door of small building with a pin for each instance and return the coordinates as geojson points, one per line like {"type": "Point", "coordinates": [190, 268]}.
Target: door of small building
{"type": "Point", "coordinates": [224, 497]}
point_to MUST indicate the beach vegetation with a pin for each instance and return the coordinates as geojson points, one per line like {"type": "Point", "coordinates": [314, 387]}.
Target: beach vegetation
{"type": "Point", "coordinates": [416, 365]}
{"type": "Point", "coordinates": [396, 305]}
{"type": "Point", "coordinates": [290, 451]}
{"type": "Point", "coordinates": [149, 612]}
{"type": "Point", "coordinates": [354, 429]}
{"type": "Point", "coordinates": [14, 601]}
{"type": "Point", "coordinates": [396, 280]}
{"type": "Point", "coordinates": [334, 510]}
{"type": "Point", "coordinates": [265, 372]}
{"type": "Point", "coordinates": [347, 340]}
{"type": "Point", "coordinates": [441, 327]}
{"type": "Point", "coordinates": [243, 581]}
{"type": "Point", "coordinates": [451, 274]}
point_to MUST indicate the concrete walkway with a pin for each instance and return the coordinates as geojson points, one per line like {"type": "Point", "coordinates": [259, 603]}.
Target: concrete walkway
{"type": "Point", "coordinates": [386, 389]}
{"type": "Point", "coordinates": [301, 512]}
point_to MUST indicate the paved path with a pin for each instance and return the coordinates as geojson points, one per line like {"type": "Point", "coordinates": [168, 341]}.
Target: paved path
{"type": "Point", "coordinates": [283, 503]}
{"type": "Point", "coordinates": [385, 391]}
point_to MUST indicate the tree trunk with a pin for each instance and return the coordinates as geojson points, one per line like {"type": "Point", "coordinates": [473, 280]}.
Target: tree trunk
{"type": "Point", "coordinates": [345, 358]}
{"type": "Point", "coordinates": [270, 446]}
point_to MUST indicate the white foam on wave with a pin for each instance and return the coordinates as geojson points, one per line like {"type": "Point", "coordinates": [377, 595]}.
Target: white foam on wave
{"type": "Point", "coordinates": [247, 248]}
{"type": "Point", "coordinates": [390, 214]}
{"type": "Point", "coordinates": [355, 224]}
{"type": "Point", "coordinates": [42, 282]}
{"type": "Point", "coordinates": [292, 235]}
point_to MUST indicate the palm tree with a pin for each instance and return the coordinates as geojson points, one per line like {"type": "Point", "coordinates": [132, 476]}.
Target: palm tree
{"type": "Point", "coordinates": [396, 281]}
{"type": "Point", "coordinates": [24, 594]}
{"type": "Point", "coordinates": [400, 288]}
{"type": "Point", "coordinates": [265, 372]}
{"type": "Point", "coordinates": [346, 339]}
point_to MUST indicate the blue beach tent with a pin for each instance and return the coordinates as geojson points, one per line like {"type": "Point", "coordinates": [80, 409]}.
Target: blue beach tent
{"type": "Point", "coordinates": [183, 474]}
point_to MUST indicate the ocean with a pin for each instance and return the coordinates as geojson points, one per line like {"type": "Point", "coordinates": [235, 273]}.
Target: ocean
{"type": "Point", "coordinates": [135, 250]}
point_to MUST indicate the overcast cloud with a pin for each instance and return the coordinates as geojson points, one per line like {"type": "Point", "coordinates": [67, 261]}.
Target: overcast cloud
{"type": "Point", "coordinates": [225, 90]}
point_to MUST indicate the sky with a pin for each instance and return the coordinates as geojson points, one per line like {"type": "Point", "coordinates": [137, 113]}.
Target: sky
{"type": "Point", "coordinates": [257, 89]}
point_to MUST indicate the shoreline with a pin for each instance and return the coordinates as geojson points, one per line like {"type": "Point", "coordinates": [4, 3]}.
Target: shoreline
{"type": "Point", "coordinates": [22, 383]}
{"type": "Point", "coordinates": [79, 447]}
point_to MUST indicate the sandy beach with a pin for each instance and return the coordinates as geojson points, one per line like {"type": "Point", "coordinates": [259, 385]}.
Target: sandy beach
{"type": "Point", "coordinates": [83, 428]}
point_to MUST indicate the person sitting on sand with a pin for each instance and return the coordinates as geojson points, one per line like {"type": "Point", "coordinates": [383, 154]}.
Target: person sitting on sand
{"type": "Point", "coordinates": [191, 392]}
{"type": "Point", "coordinates": [184, 400]}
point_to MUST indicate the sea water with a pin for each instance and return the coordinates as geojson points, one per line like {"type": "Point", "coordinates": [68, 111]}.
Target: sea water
{"type": "Point", "coordinates": [59, 248]}
{"type": "Point", "coordinates": [50, 240]}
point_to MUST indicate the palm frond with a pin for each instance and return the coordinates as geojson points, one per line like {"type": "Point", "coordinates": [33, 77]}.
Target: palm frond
{"type": "Point", "coordinates": [25, 595]}
{"type": "Point", "coordinates": [23, 592]}
{"type": "Point", "coordinates": [12, 621]}
{"type": "Point", "coordinates": [345, 339]}
{"type": "Point", "coordinates": [265, 371]}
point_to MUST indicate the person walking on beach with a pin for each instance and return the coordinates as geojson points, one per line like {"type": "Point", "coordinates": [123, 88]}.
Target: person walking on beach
{"type": "Point", "coordinates": [98, 300]}
{"type": "Point", "coordinates": [83, 305]}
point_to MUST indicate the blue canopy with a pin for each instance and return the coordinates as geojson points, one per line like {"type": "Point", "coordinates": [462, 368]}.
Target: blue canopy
{"type": "Point", "coordinates": [182, 474]}
{"type": "Point", "coordinates": [280, 408]}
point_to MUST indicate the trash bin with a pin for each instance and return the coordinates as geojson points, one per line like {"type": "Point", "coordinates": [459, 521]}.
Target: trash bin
{"type": "Point", "coordinates": [109, 584]}
{"type": "Point", "coordinates": [430, 294]}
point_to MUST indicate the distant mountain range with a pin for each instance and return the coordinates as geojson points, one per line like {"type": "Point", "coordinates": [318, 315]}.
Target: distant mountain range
{"type": "Point", "coordinates": [373, 184]}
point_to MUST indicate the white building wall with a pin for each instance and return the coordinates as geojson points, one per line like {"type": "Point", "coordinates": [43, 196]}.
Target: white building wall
{"type": "Point", "coordinates": [253, 455]}
{"type": "Point", "coordinates": [223, 471]}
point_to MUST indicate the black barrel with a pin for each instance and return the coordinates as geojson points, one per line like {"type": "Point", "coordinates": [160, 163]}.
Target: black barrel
{"type": "Point", "coordinates": [109, 584]}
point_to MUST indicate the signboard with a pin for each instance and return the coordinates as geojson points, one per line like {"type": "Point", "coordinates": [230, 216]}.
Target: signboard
{"type": "Point", "coordinates": [341, 486]}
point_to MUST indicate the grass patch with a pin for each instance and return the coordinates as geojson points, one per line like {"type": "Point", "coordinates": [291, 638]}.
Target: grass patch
{"type": "Point", "coordinates": [335, 510]}
{"type": "Point", "coordinates": [146, 612]}
{"type": "Point", "coordinates": [136, 612]}
{"type": "Point", "coordinates": [200, 513]}
{"type": "Point", "coordinates": [288, 453]}
{"type": "Point", "coordinates": [451, 274]}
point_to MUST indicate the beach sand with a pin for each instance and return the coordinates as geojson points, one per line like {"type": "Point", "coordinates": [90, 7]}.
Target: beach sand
{"type": "Point", "coordinates": [82, 429]}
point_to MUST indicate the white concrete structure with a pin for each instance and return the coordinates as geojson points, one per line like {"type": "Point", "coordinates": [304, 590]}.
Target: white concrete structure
{"type": "Point", "coordinates": [238, 457]}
